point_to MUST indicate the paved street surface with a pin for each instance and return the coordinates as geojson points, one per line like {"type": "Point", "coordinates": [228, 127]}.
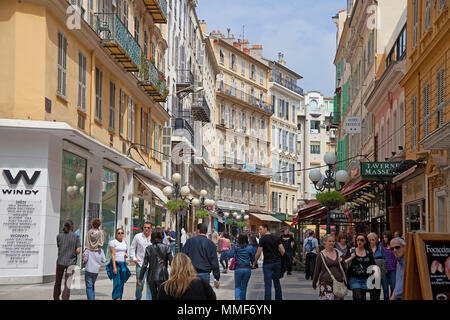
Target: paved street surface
{"type": "Point", "coordinates": [294, 287]}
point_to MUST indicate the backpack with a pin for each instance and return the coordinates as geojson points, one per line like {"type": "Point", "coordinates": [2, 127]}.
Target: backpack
{"type": "Point", "coordinates": [309, 246]}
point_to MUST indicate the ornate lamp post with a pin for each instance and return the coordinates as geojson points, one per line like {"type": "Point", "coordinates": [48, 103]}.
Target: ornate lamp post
{"type": "Point", "coordinates": [203, 203]}
{"type": "Point", "coordinates": [177, 192]}
{"type": "Point", "coordinates": [329, 180]}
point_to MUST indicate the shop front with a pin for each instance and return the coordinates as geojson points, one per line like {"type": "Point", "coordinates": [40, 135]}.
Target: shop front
{"type": "Point", "coordinates": [49, 173]}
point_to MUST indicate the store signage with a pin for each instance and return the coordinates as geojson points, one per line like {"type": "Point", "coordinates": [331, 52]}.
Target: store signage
{"type": "Point", "coordinates": [352, 124]}
{"type": "Point", "coordinates": [438, 261]}
{"type": "Point", "coordinates": [379, 169]}
{"type": "Point", "coordinates": [14, 181]}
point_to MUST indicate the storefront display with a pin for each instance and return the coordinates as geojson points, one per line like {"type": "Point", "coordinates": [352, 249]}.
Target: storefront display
{"type": "Point", "coordinates": [109, 207]}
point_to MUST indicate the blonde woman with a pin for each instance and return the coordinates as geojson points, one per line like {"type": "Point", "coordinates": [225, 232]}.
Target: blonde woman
{"type": "Point", "coordinates": [184, 283]}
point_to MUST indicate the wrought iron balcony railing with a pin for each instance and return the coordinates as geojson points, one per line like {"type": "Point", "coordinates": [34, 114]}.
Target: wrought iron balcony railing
{"type": "Point", "coordinates": [152, 80]}
{"type": "Point", "coordinates": [287, 84]}
{"type": "Point", "coordinates": [118, 40]}
{"type": "Point", "coordinates": [157, 9]}
{"type": "Point", "coordinates": [232, 91]}
{"type": "Point", "coordinates": [200, 108]}
{"type": "Point", "coordinates": [182, 128]}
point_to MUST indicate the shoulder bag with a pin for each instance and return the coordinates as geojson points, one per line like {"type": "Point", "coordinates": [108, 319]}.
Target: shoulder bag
{"type": "Point", "coordinates": [233, 261]}
{"type": "Point", "coordinates": [339, 288]}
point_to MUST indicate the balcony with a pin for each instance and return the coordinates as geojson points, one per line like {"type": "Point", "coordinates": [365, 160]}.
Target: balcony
{"type": "Point", "coordinates": [152, 80]}
{"type": "Point", "coordinates": [200, 108]}
{"type": "Point", "coordinates": [241, 95]}
{"type": "Point", "coordinates": [288, 85]}
{"type": "Point", "coordinates": [118, 40]}
{"type": "Point", "coordinates": [182, 128]}
{"type": "Point", "coordinates": [185, 81]}
{"type": "Point", "coordinates": [157, 9]}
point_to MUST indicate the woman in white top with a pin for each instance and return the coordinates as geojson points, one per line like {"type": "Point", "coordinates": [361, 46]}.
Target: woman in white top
{"type": "Point", "coordinates": [121, 273]}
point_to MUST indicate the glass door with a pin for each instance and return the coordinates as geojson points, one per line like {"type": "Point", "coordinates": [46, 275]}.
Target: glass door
{"type": "Point", "coordinates": [109, 207]}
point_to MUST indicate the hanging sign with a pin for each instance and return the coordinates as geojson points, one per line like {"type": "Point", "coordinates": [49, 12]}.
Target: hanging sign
{"type": "Point", "coordinates": [352, 124]}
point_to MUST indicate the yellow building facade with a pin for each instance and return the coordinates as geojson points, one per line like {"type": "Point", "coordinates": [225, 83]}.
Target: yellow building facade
{"type": "Point", "coordinates": [82, 95]}
{"type": "Point", "coordinates": [427, 129]}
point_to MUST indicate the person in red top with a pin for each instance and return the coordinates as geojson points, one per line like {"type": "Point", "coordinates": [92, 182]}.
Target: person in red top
{"type": "Point", "coordinates": [226, 246]}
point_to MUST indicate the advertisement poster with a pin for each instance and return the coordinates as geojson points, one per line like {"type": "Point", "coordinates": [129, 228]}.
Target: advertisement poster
{"type": "Point", "coordinates": [438, 262]}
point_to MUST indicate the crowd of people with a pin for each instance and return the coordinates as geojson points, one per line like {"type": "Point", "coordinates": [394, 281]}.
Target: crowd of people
{"type": "Point", "coordinates": [366, 265]}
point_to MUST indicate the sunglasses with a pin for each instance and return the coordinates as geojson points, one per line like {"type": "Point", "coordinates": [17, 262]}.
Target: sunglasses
{"type": "Point", "coordinates": [396, 247]}
{"type": "Point", "coordinates": [146, 227]}
{"type": "Point", "coordinates": [361, 240]}
{"type": "Point", "coordinates": [119, 232]}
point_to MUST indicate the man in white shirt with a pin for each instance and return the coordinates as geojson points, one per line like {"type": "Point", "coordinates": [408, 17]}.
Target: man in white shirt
{"type": "Point", "coordinates": [137, 253]}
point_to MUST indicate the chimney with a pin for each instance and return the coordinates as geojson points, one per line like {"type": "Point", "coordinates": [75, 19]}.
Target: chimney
{"type": "Point", "coordinates": [281, 59]}
{"type": "Point", "coordinates": [237, 45]}
{"type": "Point", "coordinates": [228, 29]}
{"type": "Point", "coordinates": [256, 51]}
{"type": "Point", "coordinates": [202, 24]}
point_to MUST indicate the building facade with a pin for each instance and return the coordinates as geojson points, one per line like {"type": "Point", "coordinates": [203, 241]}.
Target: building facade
{"type": "Point", "coordinates": [81, 118]}
{"type": "Point", "coordinates": [285, 97]}
{"type": "Point", "coordinates": [427, 118]}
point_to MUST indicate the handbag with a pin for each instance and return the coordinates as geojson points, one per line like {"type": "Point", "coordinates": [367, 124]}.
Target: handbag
{"type": "Point", "coordinates": [233, 260]}
{"type": "Point", "coordinates": [339, 288]}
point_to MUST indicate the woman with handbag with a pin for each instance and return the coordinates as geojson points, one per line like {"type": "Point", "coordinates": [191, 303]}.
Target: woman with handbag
{"type": "Point", "coordinates": [117, 268]}
{"type": "Point", "coordinates": [330, 272]}
{"type": "Point", "coordinates": [360, 260]}
{"type": "Point", "coordinates": [379, 255]}
{"type": "Point", "coordinates": [243, 257]}
{"type": "Point", "coordinates": [157, 258]}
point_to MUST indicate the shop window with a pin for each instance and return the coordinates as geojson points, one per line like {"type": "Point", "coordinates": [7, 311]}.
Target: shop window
{"type": "Point", "coordinates": [413, 217]}
{"type": "Point", "coordinates": [109, 207]}
{"type": "Point", "coordinates": [73, 186]}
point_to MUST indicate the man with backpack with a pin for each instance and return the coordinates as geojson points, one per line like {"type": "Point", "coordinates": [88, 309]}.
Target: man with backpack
{"type": "Point", "coordinates": [310, 250]}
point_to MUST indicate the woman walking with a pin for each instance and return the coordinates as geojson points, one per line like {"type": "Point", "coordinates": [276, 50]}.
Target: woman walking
{"type": "Point", "coordinates": [157, 258]}
{"type": "Point", "coordinates": [93, 257]}
{"type": "Point", "coordinates": [329, 265]}
{"type": "Point", "coordinates": [377, 250]}
{"type": "Point", "coordinates": [184, 283]}
{"type": "Point", "coordinates": [245, 256]}
{"type": "Point", "coordinates": [117, 268]}
{"type": "Point", "coordinates": [226, 245]}
{"type": "Point", "coordinates": [391, 266]}
{"type": "Point", "coordinates": [342, 246]}
{"type": "Point", "coordinates": [360, 260]}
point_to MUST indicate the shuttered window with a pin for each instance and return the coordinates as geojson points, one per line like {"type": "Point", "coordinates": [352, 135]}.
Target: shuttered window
{"type": "Point", "coordinates": [98, 94]}
{"type": "Point", "coordinates": [112, 104]}
{"type": "Point", "coordinates": [81, 81]}
{"type": "Point", "coordinates": [121, 111]}
{"type": "Point", "coordinates": [440, 98]}
{"type": "Point", "coordinates": [414, 125]}
{"type": "Point", "coordinates": [426, 108]}
{"type": "Point", "coordinates": [62, 64]}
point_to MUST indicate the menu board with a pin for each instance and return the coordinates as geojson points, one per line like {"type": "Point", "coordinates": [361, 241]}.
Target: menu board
{"type": "Point", "coordinates": [19, 234]}
{"type": "Point", "coordinates": [438, 262]}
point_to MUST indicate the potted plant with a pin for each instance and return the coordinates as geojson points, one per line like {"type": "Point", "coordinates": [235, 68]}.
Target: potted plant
{"type": "Point", "coordinates": [201, 214]}
{"type": "Point", "coordinates": [331, 199]}
{"type": "Point", "coordinates": [174, 205]}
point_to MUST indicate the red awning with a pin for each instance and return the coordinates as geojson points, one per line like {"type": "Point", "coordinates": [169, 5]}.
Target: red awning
{"type": "Point", "coordinates": [316, 215]}
{"type": "Point", "coordinates": [354, 187]}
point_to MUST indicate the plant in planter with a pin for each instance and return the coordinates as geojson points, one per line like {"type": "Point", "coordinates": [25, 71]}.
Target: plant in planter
{"type": "Point", "coordinates": [331, 199]}
{"type": "Point", "coordinates": [201, 214]}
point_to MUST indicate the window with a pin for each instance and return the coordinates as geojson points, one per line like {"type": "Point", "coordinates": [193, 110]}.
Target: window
{"type": "Point", "coordinates": [252, 72]}
{"type": "Point", "coordinates": [91, 13]}
{"type": "Point", "coordinates": [148, 141]}
{"type": "Point", "coordinates": [129, 120]}
{"type": "Point", "coordinates": [121, 111]}
{"type": "Point", "coordinates": [81, 81]}
{"type": "Point", "coordinates": [98, 94]}
{"type": "Point", "coordinates": [274, 100]}
{"type": "Point", "coordinates": [416, 25]}
{"type": "Point", "coordinates": [426, 107]}
{"type": "Point", "coordinates": [440, 97]}
{"type": "Point", "coordinates": [62, 64]}
{"type": "Point", "coordinates": [293, 115]}
{"type": "Point", "coordinates": [287, 111]}
{"type": "Point", "coordinates": [442, 4]}
{"type": "Point", "coordinates": [242, 91]}
{"type": "Point", "coordinates": [146, 44]}
{"type": "Point", "coordinates": [233, 63]}
{"type": "Point", "coordinates": [414, 125]}
{"type": "Point", "coordinates": [142, 138]}
{"type": "Point", "coordinates": [136, 29]}
{"type": "Point", "coordinates": [156, 153]}
{"type": "Point", "coordinates": [261, 76]}
{"type": "Point", "coordinates": [315, 147]}
{"type": "Point", "coordinates": [222, 56]}
{"type": "Point", "coordinates": [125, 13]}
{"type": "Point", "coordinates": [315, 126]}
{"type": "Point", "coordinates": [112, 104]}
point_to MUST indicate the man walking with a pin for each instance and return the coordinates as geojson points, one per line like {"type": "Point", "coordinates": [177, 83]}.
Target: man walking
{"type": "Point", "coordinates": [203, 254]}
{"type": "Point", "coordinates": [172, 238]}
{"type": "Point", "coordinates": [271, 246]}
{"type": "Point", "coordinates": [310, 250]}
{"type": "Point", "coordinates": [288, 243]}
{"type": "Point", "coordinates": [69, 248]}
{"type": "Point", "coordinates": [399, 247]}
{"type": "Point", "coordinates": [137, 253]}
{"type": "Point", "coordinates": [214, 236]}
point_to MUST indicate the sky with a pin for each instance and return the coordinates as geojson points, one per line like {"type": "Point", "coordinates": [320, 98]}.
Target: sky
{"type": "Point", "coordinates": [301, 29]}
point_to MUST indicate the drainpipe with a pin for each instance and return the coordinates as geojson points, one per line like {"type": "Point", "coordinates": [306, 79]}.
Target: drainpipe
{"type": "Point", "coordinates": [92, 95]}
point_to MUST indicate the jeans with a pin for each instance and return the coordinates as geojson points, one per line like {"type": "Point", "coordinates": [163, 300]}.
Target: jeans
{"type": "Point", "coordinates": [272, 272]}
{"type": "Point", "coordinates": [388, 281]}
{"type": "Point", "coordinates": [289, 262]}
{"type": "Point", "coordinates": [139, 288]}
{"type": "Point", "coordinates": [224, 258]}
{"type": "Point", "coordinates": [205, 276]}
{"type": "Point", "coordinates": [172, 247]}
{"type": "Point", "coordinates": [59, 275]}
{"type": "Point", "coordinates": [90, 279]}
{"type": "Point", "coordinates": [310, 265]}
{"type": "Point", "coordinates": [119, 280]}
{"type": "Point", "coordinates": [241, 278]}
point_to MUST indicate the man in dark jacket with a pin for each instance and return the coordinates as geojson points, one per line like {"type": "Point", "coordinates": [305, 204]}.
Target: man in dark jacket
{"type": "Point", "coordinates": [203, 254]}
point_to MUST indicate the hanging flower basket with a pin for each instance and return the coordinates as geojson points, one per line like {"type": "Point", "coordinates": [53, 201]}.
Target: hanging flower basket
{"type": "Point", "coordinates": [331, 199]}
{"type": "Point", "coordinates": [201, 214]}
{"type": "Point", "coordinates": [174, 205]}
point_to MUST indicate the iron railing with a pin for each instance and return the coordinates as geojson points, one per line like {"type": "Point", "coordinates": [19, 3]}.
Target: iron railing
{"type": "Point", "coordinates": [232, 91]}
{"type": "Point", "coordinates": [200, 108]}
{"type": "Point", "coordinates": [185, 76]}
{"type": "Point", "coordinates": [150, 76]}
{"type": "Point", "coordinates": [111, 29]}
{"type": "Point", "coordinates": [287, 84]}
{"type": "Point", "coordinates": [158, 10]}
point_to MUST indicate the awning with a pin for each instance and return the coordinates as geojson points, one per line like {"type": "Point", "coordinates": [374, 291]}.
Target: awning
{"type": "Point", "coordinates": [265, 217]}
{"type": "Point", "coordinates": [156, 191]}
{"type": "Point", "coordinates": [311, 207]}
{"type": "Point", "coordinates": [405, 174]}
{"type": "Point", "coordinates": [354, 188]}
{"type": "Point", "coordinates": [313, 214]}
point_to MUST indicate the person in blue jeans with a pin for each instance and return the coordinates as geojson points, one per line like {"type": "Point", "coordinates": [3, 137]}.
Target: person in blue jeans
{"type": "Point", "coordinates": [272, 248]}
{"type": "Point", "coordinates": [245, 257]}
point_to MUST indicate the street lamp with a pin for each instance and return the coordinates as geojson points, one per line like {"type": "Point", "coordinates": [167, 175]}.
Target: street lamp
{"type": "Point", "coordinates": [177, 192]}
{"type": "Point", "coordinates": [329, 180]}
{"type": "Point", "coordinates": [203, 203]}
